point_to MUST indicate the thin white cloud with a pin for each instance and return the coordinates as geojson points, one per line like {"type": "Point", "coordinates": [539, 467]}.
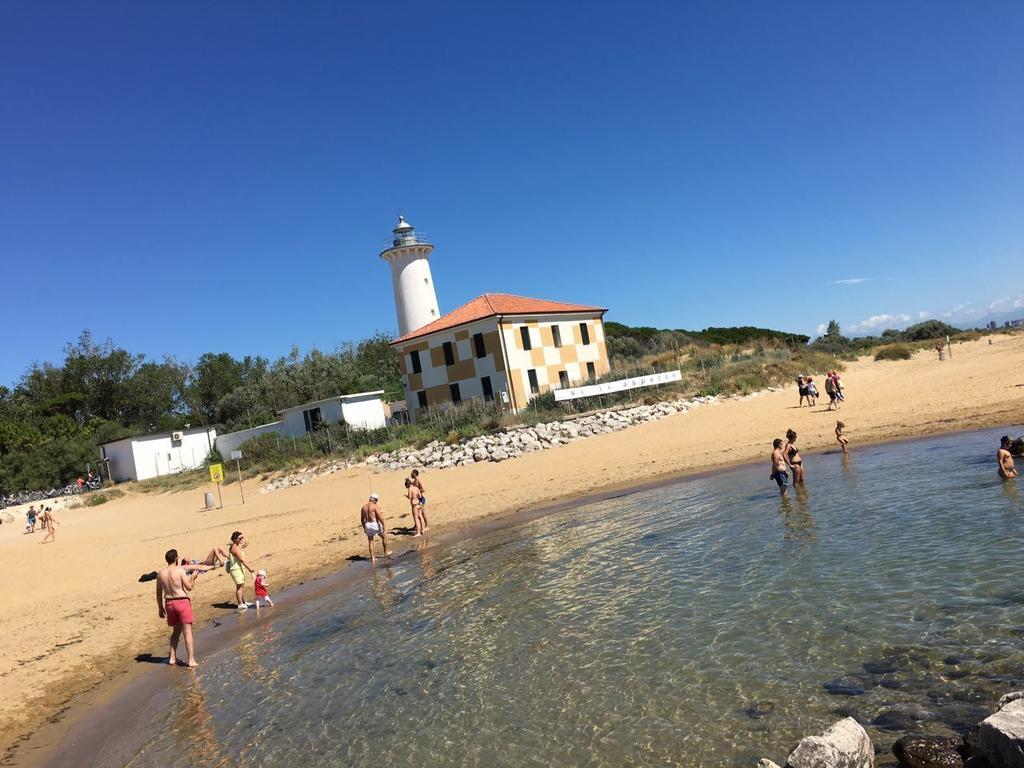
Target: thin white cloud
{"type": "Point", "coordinates": [879, 323]}
{"type": "Point", "coordinates": [924, 314]}
{"type": "Point", "coordinates": [820, 330]}
{"type": "Point", "coordinates": [851, 281]}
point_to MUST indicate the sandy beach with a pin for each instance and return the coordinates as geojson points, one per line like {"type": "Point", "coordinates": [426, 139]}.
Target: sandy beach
{"type": "Point", "coordinates": [74, 613]}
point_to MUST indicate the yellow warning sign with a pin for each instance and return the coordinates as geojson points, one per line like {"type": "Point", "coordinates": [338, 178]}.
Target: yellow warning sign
{"type": "Point", "coordinates": [216, 473]}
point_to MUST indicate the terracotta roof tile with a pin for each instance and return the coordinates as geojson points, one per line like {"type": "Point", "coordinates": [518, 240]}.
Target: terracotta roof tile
{"type": "Point", "coordinates": [491, 304]}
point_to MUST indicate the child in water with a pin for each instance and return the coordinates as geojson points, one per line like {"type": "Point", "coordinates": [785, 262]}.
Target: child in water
{"type": "Point", "coordinates": [259, 586]}
{"type": "Point", "coordinates": [840, 437]}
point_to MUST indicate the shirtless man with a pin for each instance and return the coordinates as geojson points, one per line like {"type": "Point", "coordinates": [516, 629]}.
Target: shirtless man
{"type": "Point", "coordinates": [423, 497]}
{"type": "Point", "coordinates": [1006, 469]}
{"type": "Point", "coordinates": [174, 604]}
{"type": "Point", "coordinates": [412, 493]}
{"type": "Point", "coordinates": [373, 525]}
{"type": "Point", "coordinates": [779, 467]}
{"type": "Point", "coordinates": [49, 523]}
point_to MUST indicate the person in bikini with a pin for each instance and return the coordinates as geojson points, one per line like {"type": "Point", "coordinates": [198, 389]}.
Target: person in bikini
{"type": "Point", "coordinates": [779, 473]}
{"type": "Point", "coordinates": [1007, 471]}
{"type": "Point", "coordinates": [423, 498]}
{"type": "Point", "coordinates": [174, 604]}
{"type": "Point", "coordinates": [373, 525]}
{"type": "Point", "coordinates": [412, 493]}
{"type": "Point", "coordinates": [793, 459]}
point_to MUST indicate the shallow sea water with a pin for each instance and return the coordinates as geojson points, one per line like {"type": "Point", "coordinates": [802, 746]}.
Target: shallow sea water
{"type": "Point", "coordinates": [695, 625]}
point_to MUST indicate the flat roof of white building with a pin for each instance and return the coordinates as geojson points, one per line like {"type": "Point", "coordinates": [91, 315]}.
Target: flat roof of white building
{"type": "Point", "coordinates": [314, 403]}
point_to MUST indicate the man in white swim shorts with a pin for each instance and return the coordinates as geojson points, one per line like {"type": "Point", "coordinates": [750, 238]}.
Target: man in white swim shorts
{"type": "Point", "coordinates": [373, 525]}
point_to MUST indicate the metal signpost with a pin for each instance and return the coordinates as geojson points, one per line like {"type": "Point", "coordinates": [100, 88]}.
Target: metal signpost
{"type": "Point", "coordinates": [236, 456]}
{"type": "Point", "coordinates": [217, 476]}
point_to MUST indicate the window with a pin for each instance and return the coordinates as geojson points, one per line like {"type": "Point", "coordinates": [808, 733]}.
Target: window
{"type": "Point", "coordinates": [556, 335]}
{"type": "Point", "coordinates": [532, 375]}
{"type": "Point", "coordinates": [485, 382]}
{"type": "Point", "coordinates": [584, 333]}
{"type": "Point", "coordinates": [421, 396]}
{"type": "Point", "coordinates": [449, 354]}
{"type": "Point", "coordinates": [563, 379]}
{"type": "Point", "coordinates": [312, 419]}
{"type": "Point", "coordinates": [415, 358]}
{"type": "Point", "coordinates": [591, 373]}
{"type": "Point", "coordinates": [456, 394]}
{"type": "Point", "coordinates": [525, 333]}
{"type": "Point", "coordinates": [478, 345]}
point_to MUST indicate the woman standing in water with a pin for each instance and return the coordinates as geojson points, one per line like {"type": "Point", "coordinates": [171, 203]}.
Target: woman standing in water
{"type": "Point", "coordinates": [793, 458]}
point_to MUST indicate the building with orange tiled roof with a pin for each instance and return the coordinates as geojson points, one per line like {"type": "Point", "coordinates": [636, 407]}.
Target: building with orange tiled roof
{"type": "Point", "coordinates": [498, 347]}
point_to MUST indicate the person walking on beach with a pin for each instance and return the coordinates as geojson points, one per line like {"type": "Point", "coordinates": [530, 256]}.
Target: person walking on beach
{"type": "Point", "coordinates": [174, 604]}
{"type": "Point", "coordinates": [31, 517]}
{"type": "Point", "coordinates": [779, 473]}
{"type": "Point", "coordinates": [801, 387]}
{"type": "Point", "coordinates": [259, 588]}
{"type": "Point", "coordinates": [372, 522]}
{"type": "Point", "coordinates": [812, 392]}
{"type": "Point", "coordinates": [830, 390]}
{"type": "Point", "coordinates": [423, 498]}
{"type": "Point", "coordinates": [1007, 471]}
{"type": "Point", "coordinates": [842, 439]}
{"type": "Point", "coordinates": [234, 566]}
{"type": "Point", "coordinates": [793, 458]}
{"type": "Point", "coordinates": [49, 523]}
{"type": "Point", "coordinates": [412, 493]}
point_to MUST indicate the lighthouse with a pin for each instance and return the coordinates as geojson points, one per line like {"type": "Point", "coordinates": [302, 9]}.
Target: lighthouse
{"type": "Point", "coordinates": [409, 257]}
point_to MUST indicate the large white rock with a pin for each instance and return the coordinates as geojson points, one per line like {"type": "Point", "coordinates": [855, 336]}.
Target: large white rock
{"type": "Point", "coordinates": [844, 745]}
{"type": "Point", "coordinates": [1000, 737]}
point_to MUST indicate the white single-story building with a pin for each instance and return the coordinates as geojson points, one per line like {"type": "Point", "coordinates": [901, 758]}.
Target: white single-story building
{"type": "Point", "coordinates": [362, 410]}
{"type": "Point", "coordinates": [162, 453]}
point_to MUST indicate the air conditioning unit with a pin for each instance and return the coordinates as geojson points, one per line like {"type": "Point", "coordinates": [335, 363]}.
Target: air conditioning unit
{"type": "Point", "coordinates": [176, 436]}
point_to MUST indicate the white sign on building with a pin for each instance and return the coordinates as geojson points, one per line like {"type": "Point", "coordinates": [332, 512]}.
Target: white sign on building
{"type": "Point", "coordinates": [607, 387]}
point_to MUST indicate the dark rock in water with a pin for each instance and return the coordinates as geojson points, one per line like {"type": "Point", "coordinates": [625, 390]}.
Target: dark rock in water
{"type": "Point", "coordinates": [1017, 447]}
{"type": "Point", "coordinates": [902, 717]}
{"type": "Point", "coordinates": [757, 710]}
{"type": "Point", "coordinates": [928, 752]}
{"type": "Point", "coordinates": [962, 717]}
{"type": "Point", "coordinates": [844, 686]}
{"type": "Point", "coordinates": [952, 660]}
{"type": "Point", "coordinates": [849, 712]}
{"type": "Point", "coordinates": [881, 667]}
{"type": "Point", "coordinates": [891, 682]}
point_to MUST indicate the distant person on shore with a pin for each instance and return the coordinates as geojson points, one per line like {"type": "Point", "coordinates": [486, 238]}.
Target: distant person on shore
{"type": "Point", "coordinates": [423, 498]}
{"type": "Point", "coordinates": [838, 384]}
{"type": "Point", "coordinates": [812, 391]}
{"type": "Point", "coordinates": [841, 438]}
{"type": "Point", "coordinates": [235, 564]}
{"type": "Point", "coordinates": [779, 473]}
{"type": "Point", "coordinates": [30, 516]}
{"type": "Point", "coordinates": [412, 493]}
{"type": "Point", "coordinates": [801, 387]}
{"type": "Point", "coordinates": [372, 522]}
{"type": "Point", "coordinates": [174, 604]}
{"type": "Point", "coordinates": [259, 588]}
{"type": "Point", "coordinates": [1007, 470]}
{"type": "Point", "coordinates": [49, 523]}
{"type": "Point", "coordinates": [793, 458]}
{"type": "Point", "coordinates": [830, 390]}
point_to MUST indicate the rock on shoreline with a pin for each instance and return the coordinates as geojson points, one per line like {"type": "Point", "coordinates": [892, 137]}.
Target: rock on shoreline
{"type": "Point", "coordinates": [502, 446]}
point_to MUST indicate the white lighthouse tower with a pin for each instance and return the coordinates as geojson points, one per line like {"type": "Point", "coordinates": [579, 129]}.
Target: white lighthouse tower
{"type": "Point", "coordinates": [415, 300]}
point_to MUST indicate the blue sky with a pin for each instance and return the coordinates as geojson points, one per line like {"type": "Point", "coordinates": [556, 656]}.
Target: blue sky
{"type": "Point", "coordinates": [194, 177]}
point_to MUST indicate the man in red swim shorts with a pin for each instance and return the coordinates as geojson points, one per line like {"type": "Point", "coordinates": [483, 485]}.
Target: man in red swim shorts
{"type": "Point", "coordinates": [172, 588]}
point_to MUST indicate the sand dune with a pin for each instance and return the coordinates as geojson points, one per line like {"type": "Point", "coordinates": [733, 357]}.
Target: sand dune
{"type": "Point", "coordinates": [73, 613]}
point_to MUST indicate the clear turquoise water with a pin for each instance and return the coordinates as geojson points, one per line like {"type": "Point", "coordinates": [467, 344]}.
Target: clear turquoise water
{"type": "Point", "coordinates": [695, 624]}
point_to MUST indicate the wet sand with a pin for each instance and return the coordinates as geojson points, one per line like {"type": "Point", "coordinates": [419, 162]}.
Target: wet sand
{"type": "Point", "coordinates": [75, 616]}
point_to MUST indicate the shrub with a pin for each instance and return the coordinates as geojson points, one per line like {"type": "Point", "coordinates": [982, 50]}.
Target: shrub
{"type": "Point", "coordinates": [95, 499]}
{"type": "Point", "coordinates": [894, 352]}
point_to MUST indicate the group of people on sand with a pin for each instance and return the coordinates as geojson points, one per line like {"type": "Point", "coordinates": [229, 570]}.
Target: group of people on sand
{"type": "Point", "coordinates": [44, 519]}
{"type": "Point", "coordinates": [372, 521]}
{"type": "Point", "coordinates": [808, 390]}
{"type": "Point", "coordinates": [176, 580]}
